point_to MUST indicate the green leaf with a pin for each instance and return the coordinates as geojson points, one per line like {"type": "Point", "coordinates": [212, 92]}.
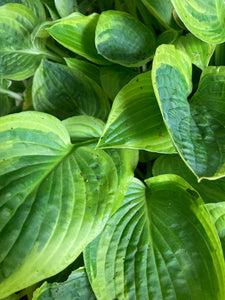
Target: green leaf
{"type": "Point", "coordinates": [160, 244]}
{"type": "Point", "coordinates": [209, 190]}
{"type": "Point", "coordinates": [135, 120]}
{"type": "Point", "coordinates": [19, 58]}
{"type": "Point", "coordinates": [220, 55]}
{"type": "Point", "coordinates": [35, 5]}
{"type": "Point", "coordinates": [199, 52]}
{"type": "Point", "coordinates": [123, 39]}
{"type": "Point", "coordinates": [66, 7]}
{"type": "Point", "coordinates": [197, 128]}
{"type": "Point", "coordinates": [162, 10]}
{"type": "Point", "coordinates": [167, 37]}
{"type": "Point", "coordinates": [78, 35]}
{"type": "Point", "coordinates": [205, 19]}
{"type": "Point", "coordinates": [76, 287]}
{"type": "Point", "coordinates": [83, 128]}
{"type": "Point", "coordinates": [217, 213]}
{"type": "Point", "coordinates": [90, 70]}
{"type": "Point", "coordinates": [113, 78]}
{"type": "Point", "coordinates": [86, 128]}
{"type": "Point", "coordinates": [55, 198]}
{"type": "Point", "coordinates": [64, 93]}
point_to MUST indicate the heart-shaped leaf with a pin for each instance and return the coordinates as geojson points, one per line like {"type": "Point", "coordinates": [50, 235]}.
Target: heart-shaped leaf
{"type": "Point", "coordinates": [160, 244]}
{"type": "Point", "coordinates": [196, 127]}
{"type": "Point", "coordinates": [205, 19]}
{"type": "Point", "coordinates": [86, 128]}
{"type": "Point", "coordinates": [209, 190]}
{"type": "Point", "coordinates": [123, 39]}
{"type": "Point", "coordinates": [55, 198]}
{"type": "Point", "coordinates": [76, 287]}
{"type": "Point", "coordinates": [64, 93]}
{"type": "Point", "coordinates": [135, 120]}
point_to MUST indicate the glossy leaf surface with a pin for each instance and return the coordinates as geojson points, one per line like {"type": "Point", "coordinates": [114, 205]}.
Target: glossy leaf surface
{"type": "Point", "coordinates": [76, 287]}
{"type": "Point", "coordinates": [42, 220]}
{"type": "Point", "coordinates": [196, 127]}
{"type": "Point", "coordinates": [64, 93]}
{"type": "Point", "coordinates": [123, 39]}
{"type": "Point", "coordinates": [135, 120]}
{"type": "Point", "coordinates": [86, 128]}
{"type": "Point", "coordinates": [205, 19]}
{"type": "Point", "coordinates": [78, 35]}
{"type": "Point", "coordinates": [145, 250]}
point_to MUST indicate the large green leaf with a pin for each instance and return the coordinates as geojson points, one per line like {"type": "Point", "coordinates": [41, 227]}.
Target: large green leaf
{"type": "Point", "coordinates": [209, 190]}
{"type": "Point", "coordinates": [196, 127]}
{"type": "Point", "coordinates": [205, 19]}
{"type": "Point", "coordinates": [19, 57]}
{"type": "Point", "coordinates": [84, 128]}
{"type": "Point", "coordinates": [199, 52]}
{"type": "Point", "coordinates": [55, 198]}
{"type": "Point", "coordinates": [135, 120]}
{"type": "Point", "coordinates": [217, 213]}
{"type": "Point", "coordinates": [76, 287]}
{"type": "Point", "coordinates": [35, 5]}
{"type": "Point", "coordinates": [160, 244]}
{"type": "Point", "coordinates": [78, 35]}
{"type": "Point", "coordinates": [123, 39]}
{"type": "Point", "coordinates": [64, 93]}
{"type": "Point", "coordinates": [162, 10]}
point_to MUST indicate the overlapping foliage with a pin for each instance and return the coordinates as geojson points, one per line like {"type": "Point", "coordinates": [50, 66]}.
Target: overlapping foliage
{"type": "Point", "coordinates": [112, 149]}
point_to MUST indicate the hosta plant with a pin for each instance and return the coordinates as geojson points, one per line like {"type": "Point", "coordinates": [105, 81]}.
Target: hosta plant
{"type": "Point", "coordinates": [112, 149]}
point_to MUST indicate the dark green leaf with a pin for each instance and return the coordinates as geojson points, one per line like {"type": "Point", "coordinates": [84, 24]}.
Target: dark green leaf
{"type": "Point", "coordinates": [64, 93]}
{"type": "Point", "coordinates": [123, 39]}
